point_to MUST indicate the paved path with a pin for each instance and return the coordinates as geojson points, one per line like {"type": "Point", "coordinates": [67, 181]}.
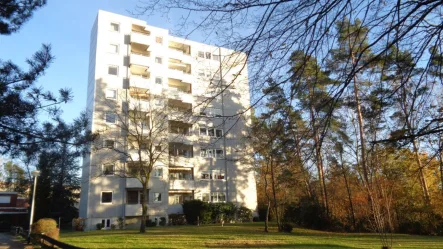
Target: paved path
{"type": "Point", "coordinates": [7, 241]}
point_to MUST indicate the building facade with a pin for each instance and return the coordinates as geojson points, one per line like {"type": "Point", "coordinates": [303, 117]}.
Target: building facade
{"type": "Point", "coordinates": [202, 92]}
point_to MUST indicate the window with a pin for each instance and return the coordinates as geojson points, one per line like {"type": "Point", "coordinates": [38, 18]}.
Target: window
{"type": "Point", "coordinates": [158, 60]}
{"type": "Point", "coordinates": [106, 197]}
{"type": "Point", "coordinates": [205, 197]}
{"type": "Point", "coordinates": [218, 197]}
{"type": "Point", "coordinates": [203, 153]}
{"type": "Point", "coordinates": [110, 118]}
{"type": "Point", "coordinates": [211, 132]}
{"type": "Point", "coordinates": [205, 175]}
{"type": "Point", "coordinates": [201, 54]}
{"type": "Point", "coordinates": [216, 57]}
{"type": "Point", "coordinates": [108, 143]}
{"type": "Point", "coordinates": [158, 80]}
{"type": "Point", "coordinates": [111, 94]}
{"type": "Point", "coordinates": [114, 27]}
{"type": "Point", "coordinates": [208, 55]}
{"type": "Point", "coordinates": [159, 39]}
{"type": "Point", "coordinates": [218, 175]}
{"type": "Point", "coordinates": [113, 70]}
{"type": "Point", "coordinates": [203, 131]}
{"type": "Point", "coordinates": [113, 48]}
{"type": "Point", "coordinates": [106, 223]}
{"type": "Point", "coordinates": [158, 172]}
{"type": "Point", "coordinates": [132, 197]}
{"type": "Point", "coordinates": [212, 153]}
{"type": "Point", "coordinates": [158, 148]}
{"type": "Point", "coordinates": [157, 197]}
{"type": "Point", "coordinates": [218, 133]}
{"type": "Point", "coordinates": [108, 169]}
{"type": "Point", "coordinates": [219, 154]}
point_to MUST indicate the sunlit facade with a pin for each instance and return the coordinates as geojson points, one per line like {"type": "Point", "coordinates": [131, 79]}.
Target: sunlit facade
{"type": "Point", "coordinates": [211, 161]}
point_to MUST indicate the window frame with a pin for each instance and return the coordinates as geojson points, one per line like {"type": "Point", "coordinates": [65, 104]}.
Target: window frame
{"type": "Point", "coordinates": [111, 27]}
{"type": "Point", "coordinates": [159, 39]}
{"type": "Point", "coordinates": [205, 172]}
{"type": "Point", "coordinates": [109, 90]}
{"type": "Point", "coordinates": [103, 169]}
{"type": "Point", "coordinates": [208, 55]}
{"type": "Point", "coordinates": [201, 54]}
{"type": "Point", "coordinates": [156, 170]}
{"type": "Point", "coordinates": [158, 78]}
{"type": "Point", "coordinates": [117, 48]}
{"type": "Point", "coordinates": [160, 59]}
{"type": "Point", "coordinates": [138, 197]}
{"type": "Point", "coordinates": [156, 196]}
{"type": "Point", "coordinates": [218, 195]}
{"type": "Point", "coordinates": [101, 197]}
{"type": "Point", "coordinates": [105, 145]}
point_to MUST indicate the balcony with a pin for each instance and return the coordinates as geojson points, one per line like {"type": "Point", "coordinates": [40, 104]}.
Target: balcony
{"type": "Point", "coordinates": [139, 81]}
{"type": "Point", "coordinates": [178, 94]}
{"type": "Point", "coordinates": [133, 210]}
{"type": "Point", "coordinates": [133, 183]}
{"type": "Point", "coordinates": [181, 161]}
{"type": "Point", "coordinates": [139, 59]}
{"type": "Point", "coordinates": [181, 184]}
{"type": "Point", "coordinates": [140, 35]}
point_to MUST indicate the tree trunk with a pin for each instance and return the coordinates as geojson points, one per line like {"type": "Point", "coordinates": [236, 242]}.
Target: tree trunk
{"type": "Point", "coordinates": [267, 216]}
{"type": "Point", "coordinates": [348, 189]}
{"type": "Point", "coordinates": [319, 161]}
{"type": "Point", "coordinates": [274, 195]}
{"type": "Point", "coordinates": [144, 199]}
{"type": "Point", "coordinates": [421, 172]}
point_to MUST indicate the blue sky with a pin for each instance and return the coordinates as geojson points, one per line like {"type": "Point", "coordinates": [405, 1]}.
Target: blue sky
{"type": "Point", "coordinates": [66, 25]}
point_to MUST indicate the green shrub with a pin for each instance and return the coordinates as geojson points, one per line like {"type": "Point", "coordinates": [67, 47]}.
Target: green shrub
{"type": "Point", "coordinates": [120, 223]}
{"type": "Point", "coordinates": [222, 210]}
{"type": "Point", "coordinates": [78, 224]}
{"type": "Point", "coordinates": [162, 221]}
{"type": "Point", "coordinates": [286, 227]}
{"type": "Point", "coordinates": [46, 226]}
{"type": "Point", "coordinates": [150, 223]}
{"type": "Point", "coordinates": [244, 214]}
{"type": "Point", "coordinates": [196, 208]}
{"type": "Point", "coordinates": [99, 226]}
{"type": "Point", "coordinates": [177, 219]}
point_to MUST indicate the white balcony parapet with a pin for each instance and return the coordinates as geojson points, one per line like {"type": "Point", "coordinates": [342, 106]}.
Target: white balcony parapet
{"type": "Point", "coordinates": [181, 184]}
{"type": "Point", "coordinates": [174, 93]}
{"type": "Point", "coordinates": [142, 38]}
{"type": "Point", "coordinates": [181, 138]}
{"type": "Point", "coordinates": [140, 82]}
{"type": "Point", "coordinates": [181, 161]}
{"type": "Point", "coordinates": [140, 60]}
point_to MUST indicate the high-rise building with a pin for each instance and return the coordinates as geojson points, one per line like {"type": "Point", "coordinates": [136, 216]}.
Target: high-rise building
{"type": "Point", "coordinates": [190, 99]}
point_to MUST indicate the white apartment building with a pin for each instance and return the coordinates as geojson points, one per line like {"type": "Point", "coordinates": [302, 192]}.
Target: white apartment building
{"type": "Point", "coordinates": [207, 156]}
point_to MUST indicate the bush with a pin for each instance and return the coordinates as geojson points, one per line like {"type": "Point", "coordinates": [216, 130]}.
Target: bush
{"type": "Point", "coordinates": [177, 219]}
{"type": "Point", "coordinates": [46, 226]}
{"type": "Point", "coordinates": [162, 221]}
{"type": "Point", "coordinates": [113, 226]}
{"type": "Point", "coordinates": [99, 226]}
{"type": "Point", "coordinates": [225, 211]}
{"type": "Point", "coordinates": [150, 223]}
{"type": "Point", "coordinates": [78, 224]}
{"type": "Point", "coordinates": [286, 227]}
{"type": "Point", "coordinates": [244, 214]}
{"type": "Point", "coordinates": [196, 208]}
{"type": "Point", "coordinates": [120, 223]}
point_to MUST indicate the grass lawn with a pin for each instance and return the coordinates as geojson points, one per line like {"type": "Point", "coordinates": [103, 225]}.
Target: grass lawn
{"type": "Point", "coordinates": [249, 235]}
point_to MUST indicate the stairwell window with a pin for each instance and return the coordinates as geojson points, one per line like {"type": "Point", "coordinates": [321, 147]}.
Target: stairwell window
{"type": "Point", "coordinates": [159, 60]}
{"type": "Point", "coordinates": [113, 48]}
{"type": "Point", "coordinates": [201, 54]}
{"type": "Point", "coordinates": [158, 80]}
{"type": "Point", "coordinates": [208, 55]}
{"type": "Point", "coordinates": [110, 118]}
{"type": "Point", "coordinates": [106, 197]}
{"type": "Point", "coordinates": [111, 94]}
{"type": "Point", "coordinates": [159, 40]}
{"type": "Point", "coordinates": [158, 172]}
{"type": "Point", "coordinates": [113, 70]}
{"type": "Point", "coordinates": [108, 143]}
{"type": "Point", "coordinates": [108, 169]}
{"type": "Point", "coordinates": [114, 27]}
{"type": "Point", "coordinates": [157, 197]}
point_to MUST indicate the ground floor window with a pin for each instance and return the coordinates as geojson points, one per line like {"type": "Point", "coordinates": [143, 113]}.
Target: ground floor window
{"type": "Point", "coordinates": [218, 197]}
{"type": "Point", "coordinates": [106, 223]}
{"type": "Point", "coordinates": [106, 197]}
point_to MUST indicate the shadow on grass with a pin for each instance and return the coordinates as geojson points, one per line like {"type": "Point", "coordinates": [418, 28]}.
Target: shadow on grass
{"type": "Point", "coordinates": [233, 244]}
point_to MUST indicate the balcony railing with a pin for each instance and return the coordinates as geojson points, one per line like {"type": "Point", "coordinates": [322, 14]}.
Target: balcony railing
{"type": "Point", "coordinates": [141, 38]}
{"type": "Point", "coordinates": [181, 184]}
{"type": "Point", "coordinates": [140, 59]}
